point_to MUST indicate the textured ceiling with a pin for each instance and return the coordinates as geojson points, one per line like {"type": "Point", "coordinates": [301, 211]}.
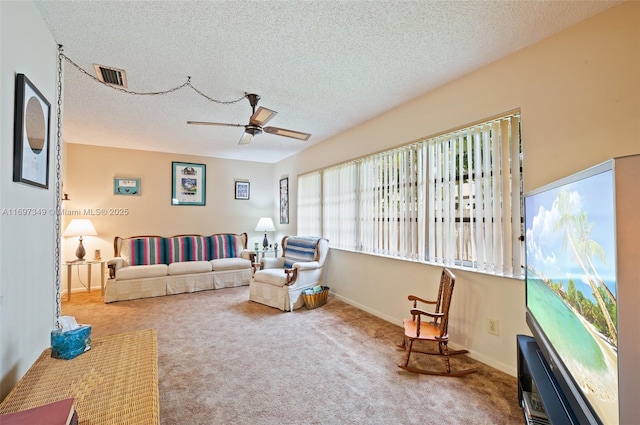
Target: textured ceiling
{"type": "Point", "coordinates": [324, 66]}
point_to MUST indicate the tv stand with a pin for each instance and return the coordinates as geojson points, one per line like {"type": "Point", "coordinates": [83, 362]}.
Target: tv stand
{"type": "Point", "coordinates": [534, 376]}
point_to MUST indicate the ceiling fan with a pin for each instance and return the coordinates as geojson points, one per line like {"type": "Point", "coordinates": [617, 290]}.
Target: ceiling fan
{"type": "Point", "coordinates": [256, 122]}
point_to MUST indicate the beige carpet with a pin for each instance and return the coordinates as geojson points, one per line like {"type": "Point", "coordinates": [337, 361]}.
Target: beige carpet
{"type": "Point", "coordinates": [226, 360]}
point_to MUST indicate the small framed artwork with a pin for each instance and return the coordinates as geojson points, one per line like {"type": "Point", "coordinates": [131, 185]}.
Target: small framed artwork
{"type": "Point", "coordinates": [123, 186]}
{"type": "Point", "coordinates": [188, 183]}
{"type": "Point", "coordinates": [242, 190]}
{"type": "Point", "coordinates": [284, 200]}
{"type": "Point", "coordinates": [31, 135]}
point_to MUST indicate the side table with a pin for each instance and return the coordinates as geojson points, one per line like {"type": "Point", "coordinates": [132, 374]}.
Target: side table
{"type": "Point", "coordinates": [262, 253]}
{"type": "Point", "coordinates": [89, 264]}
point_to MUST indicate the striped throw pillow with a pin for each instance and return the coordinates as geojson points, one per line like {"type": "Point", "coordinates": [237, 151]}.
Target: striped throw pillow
{"type": "Point", "coordinates": [222, 246]}
{"type": "Point", "coordinates": [188, 248]}
{"type": "Point", "coordinates": [146, 251]}
{"type": "Point", "coordinates": [300, 249]}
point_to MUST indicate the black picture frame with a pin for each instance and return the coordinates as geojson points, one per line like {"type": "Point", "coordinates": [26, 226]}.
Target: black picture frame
{"type": "Point", "coordinates": [188, 184]}
{"type": "Point", "coordinates": [31, 130]}
{"type": "Point", "coordinates": [284, 200]}
{"type": "Point", "coordinates": [242, 190]}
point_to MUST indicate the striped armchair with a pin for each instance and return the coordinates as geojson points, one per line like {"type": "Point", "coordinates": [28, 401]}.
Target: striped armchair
{"type": "Point", "coordinates": [279, 282]}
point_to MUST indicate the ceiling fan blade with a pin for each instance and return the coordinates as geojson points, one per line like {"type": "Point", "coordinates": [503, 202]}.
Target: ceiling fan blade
{"type": "Point", "coordinates": [245, 139]}
{"type": "Point", "coordinates": [261, 116]}
{"type": "Point", "coordinates": [214, 123]}
{"type": "Point", "coordinates": [287, 133]}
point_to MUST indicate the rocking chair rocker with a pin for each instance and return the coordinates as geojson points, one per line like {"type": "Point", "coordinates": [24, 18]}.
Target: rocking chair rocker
{"type": "Point", "coordinates": [417, 329]}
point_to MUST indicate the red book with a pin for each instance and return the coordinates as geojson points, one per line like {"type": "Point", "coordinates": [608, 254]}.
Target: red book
{"type": "Point", "coordinates": [57, 413]}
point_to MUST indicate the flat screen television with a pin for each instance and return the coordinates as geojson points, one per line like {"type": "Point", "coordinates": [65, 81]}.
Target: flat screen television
{"type": "Point", "coordinates": [571, 288]}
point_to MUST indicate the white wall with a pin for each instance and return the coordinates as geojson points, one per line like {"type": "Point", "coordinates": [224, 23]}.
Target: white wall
{"type": "Point", "coordinates": [579, 96]}
{"type": "Point", "coordinates": [27, 273]}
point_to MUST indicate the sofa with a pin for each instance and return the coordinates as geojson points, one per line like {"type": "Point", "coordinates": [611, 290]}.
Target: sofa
{"type": "Point", "coordinates": [153, 266]}
{"type": "Point", "coordinates": [279, 282]}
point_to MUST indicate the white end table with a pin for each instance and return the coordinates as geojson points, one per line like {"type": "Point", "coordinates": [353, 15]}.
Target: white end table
{"type": "Point", "coordinates": [89, 264]}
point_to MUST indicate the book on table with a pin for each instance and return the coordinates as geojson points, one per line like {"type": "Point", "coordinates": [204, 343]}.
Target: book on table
{"type": "Point", "coordinates": [59, 412]}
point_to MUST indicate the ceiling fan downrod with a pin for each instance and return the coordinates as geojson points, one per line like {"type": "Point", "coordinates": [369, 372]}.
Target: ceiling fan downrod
{"type": "Point", "coordinates": [253, 100]}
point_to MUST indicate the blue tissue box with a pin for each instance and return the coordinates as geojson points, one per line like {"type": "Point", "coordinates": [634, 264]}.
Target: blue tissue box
{"type": "Point", "coordinates": [69, 344]}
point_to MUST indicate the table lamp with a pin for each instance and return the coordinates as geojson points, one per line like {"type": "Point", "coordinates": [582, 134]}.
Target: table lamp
{"type": "Point", "coordinates": [265, 224]}
{"type": "Point", "coordinates": [80, 227]}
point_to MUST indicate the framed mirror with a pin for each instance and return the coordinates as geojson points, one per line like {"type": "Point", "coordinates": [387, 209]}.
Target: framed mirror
{"type": "Point", "coordinates": [31, 135]}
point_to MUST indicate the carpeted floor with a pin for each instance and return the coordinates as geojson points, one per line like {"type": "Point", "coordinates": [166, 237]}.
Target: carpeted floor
{"type": "Point", "coordinates": [225, 360]}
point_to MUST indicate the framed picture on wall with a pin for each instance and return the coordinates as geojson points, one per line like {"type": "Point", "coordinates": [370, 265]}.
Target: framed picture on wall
{"type": "Point", "coordinates": [242, 190]}
{"type": "Point", "coordinates": [31, 135]}
{"type": "Point", "coordinates": [284, 200]}
{"type": "Point", "coordinates": [126, 186]}
{"type": "Point", "coordinates": [188, 183]}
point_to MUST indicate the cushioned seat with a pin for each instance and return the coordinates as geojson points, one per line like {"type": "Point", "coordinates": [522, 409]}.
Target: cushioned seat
{"type": "Point", "coordinates": [141, 272]}
{"type": "Point", "coordinates": [187, 267]}
{"type": "Point", "coordinates": [275, 277]}
{"type": "Point", "coordinates": [230, 264]}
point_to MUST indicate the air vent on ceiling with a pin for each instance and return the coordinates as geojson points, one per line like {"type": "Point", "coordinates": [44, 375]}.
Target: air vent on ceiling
{"type": "Point", "coordinates": [113, 76]}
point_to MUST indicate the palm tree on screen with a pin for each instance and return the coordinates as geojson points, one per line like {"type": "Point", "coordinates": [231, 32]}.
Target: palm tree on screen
{"type": "Point", "coordinates": [577, 231]}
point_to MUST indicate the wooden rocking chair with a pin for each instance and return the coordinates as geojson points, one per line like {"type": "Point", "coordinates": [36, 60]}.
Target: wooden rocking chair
{"type": "Point", "coordinates": [434, 330]}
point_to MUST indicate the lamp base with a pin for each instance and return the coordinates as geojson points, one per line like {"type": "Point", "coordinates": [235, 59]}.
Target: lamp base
{"type": "Point", "coordinates": [80, 252]}
{"type": "Point", "coordinates": [265, 241]}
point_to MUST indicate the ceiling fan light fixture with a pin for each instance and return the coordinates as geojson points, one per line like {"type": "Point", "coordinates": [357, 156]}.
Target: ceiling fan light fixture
{"type": "Point", "coordinates": [254, 130]}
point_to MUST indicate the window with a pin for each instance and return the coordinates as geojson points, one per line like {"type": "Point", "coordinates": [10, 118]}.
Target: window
{"type": "Point", "coordinates": [452, 200]}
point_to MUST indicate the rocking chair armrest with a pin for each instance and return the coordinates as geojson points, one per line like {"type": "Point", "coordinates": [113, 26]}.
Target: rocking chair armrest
{"type": "Point", "coordinates": [422, 300]}
{"type": "Point", "coordinates": [419, 311]}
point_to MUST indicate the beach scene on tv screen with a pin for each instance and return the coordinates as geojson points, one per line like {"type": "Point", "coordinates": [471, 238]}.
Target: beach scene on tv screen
{"type": "Point", "coordinates": [571, 282]}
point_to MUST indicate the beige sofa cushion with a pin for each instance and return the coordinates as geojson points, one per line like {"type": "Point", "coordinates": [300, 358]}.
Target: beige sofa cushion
{"type": "Point", "coordinates": [139, 272]}
{"type": "Point", "coordinates": [188, 267]}
{"type": "Point", "coordinates": [230, 264]}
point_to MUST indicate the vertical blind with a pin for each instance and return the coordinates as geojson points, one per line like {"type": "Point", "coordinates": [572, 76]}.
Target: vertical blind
{"type": "Point", "coordinates": [310, 204]}
{"type": "Point", "coordinates": [452, 200]}
{"type": "Point", "coordinates": [339, 217]}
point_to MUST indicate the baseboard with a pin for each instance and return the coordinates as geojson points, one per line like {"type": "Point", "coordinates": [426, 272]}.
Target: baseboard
{"type": "Point", "coordinates": [63, 292]}
{"type": "Point", "coordinates": [376, 313]}
{"type": "Point", "coordinates": [473, 354]}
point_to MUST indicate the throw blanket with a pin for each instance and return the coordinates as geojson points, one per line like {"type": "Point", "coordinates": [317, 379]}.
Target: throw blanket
{"type": "Point", "coordinates": [300, 249]}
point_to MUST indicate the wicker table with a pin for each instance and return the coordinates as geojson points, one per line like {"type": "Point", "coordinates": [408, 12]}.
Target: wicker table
{"type": "Point", "coordinates": [116, 382]}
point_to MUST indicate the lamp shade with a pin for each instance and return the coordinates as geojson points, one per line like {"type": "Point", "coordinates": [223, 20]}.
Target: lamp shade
{"type": "Point", "coordinates": [80, 227]}
{"type": "Point", "coordinates": [265, 224]}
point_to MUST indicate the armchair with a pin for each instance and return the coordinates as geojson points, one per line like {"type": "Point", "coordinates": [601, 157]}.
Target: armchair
{"type": "Point", "coordinates": [278, 282]}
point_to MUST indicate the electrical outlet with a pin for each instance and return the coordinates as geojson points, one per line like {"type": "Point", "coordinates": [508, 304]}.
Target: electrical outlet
{"type": "Point", "coordinates": [493, 326]}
